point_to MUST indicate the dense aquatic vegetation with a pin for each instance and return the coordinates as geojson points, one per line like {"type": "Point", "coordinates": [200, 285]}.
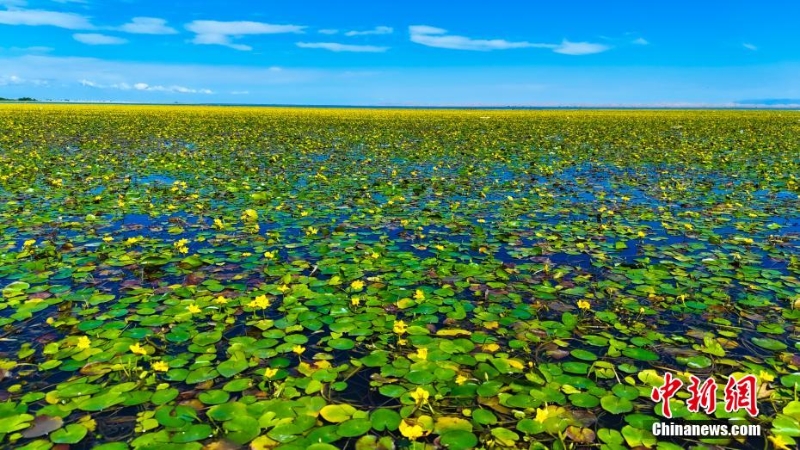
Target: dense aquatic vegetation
{"type": "Point", "coordinates": [209, 277]}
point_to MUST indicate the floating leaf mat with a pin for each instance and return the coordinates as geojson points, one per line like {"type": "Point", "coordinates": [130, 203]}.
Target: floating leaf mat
{"type": "Point", "coordinates": [222, 278]}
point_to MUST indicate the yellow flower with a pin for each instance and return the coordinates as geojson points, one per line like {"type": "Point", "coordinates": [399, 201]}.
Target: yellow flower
{"type": "Point", "coordinates": [160, 366]}
{"type": "Point", "coordinates": [50, 321]}
{"type": "Point", "coordinates": [584, 305]}
{"type": "Point", "coordinates": [84, 342]}
{"type": "Point", "coordinates": [541, 415]}
{"type": "Point", "coordinates": [400, 327]}
{"type": "Point", "coordinates": [766, 376]}
{"type": "Point", "coordinates": [249, 215]}
{"type": "Point", "coordinates": [269, 255]}
{"type": "Point", "coordinates": [461, 379]}
{"type": "Point", "coordinates": [310, 231]}
{"type": "Point", "coordinates": [88, 423]}
{"type": "Point", "coordinates": [779, 442]}
{"type": "Point", "coordinates": [137, 349]}
{"type": "Point", "coordinates": [641, 234]}
{"type": "Point", "coordinates": [218, 224]}
{"type": "Point", "coordinates": [419, 295]}
{"type": "Point", "coordinates": [439, 247]}
{"type": "Point", "coordinates": [260, 302]}
{"type": "Point", "coordinates": [107, 239]}
{"type": "Point", "coordinates": [357, 285]}
{"type": "Point", "coordinates": [283, 288]}
{"type": "Point", "coordinates": [299, 349]}
{"type": "Point", "coordinates": [410, 431]}
{"type": "Point", "coordinates": [355, 301]}
{"type": "Point", "coordinates": [221, 300]}
{"type": "Point", "coordinates": [270, 372]}
{"type": "Point", "coordinates": [194, 309]}
{"type": "Point", "coordinates": [422, 353]}
{"type": "Point", "coordinates": [420, 396]}
{"type": "Point", "coordinates": [492, 325]}
{"type": "Point", "coordinates": [246, 254]}
{"type": "Point", "coordinates": [491, 348]}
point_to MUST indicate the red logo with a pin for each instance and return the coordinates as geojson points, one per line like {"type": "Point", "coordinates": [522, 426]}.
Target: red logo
{"type": "Point", "coordinates": [739, 394]}
{"type": "Point", "coordinates": [666, 392]}
{"type": "Point", "coordinates": [742, 395]}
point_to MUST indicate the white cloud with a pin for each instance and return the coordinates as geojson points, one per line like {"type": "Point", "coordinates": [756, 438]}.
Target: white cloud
{"type": "Point", "coordinates": [376, 30]}
{"type": "Point", "coordinates": [750, 46]}
{"type": "Point", "coordinates": [438, 37]}
{"type": "Point", "coordinates": [98, 39]}
{"type": "Point", "coordinates": [117, 79]}
{"type": "Point", "coordinates": [640, 41]}
{"type": "Point", "coordinates": [335, 47]}
{"type": "Point", "coordinates": [213, 32]}
{"type": "Point", "coordinates": [147, 25]}
{"type": "Point", "coordinates": [26, 50]}
{"type": "Point", "coordinates": [145, 87]}
{"type": "Point", "coordinates": [37, 17]}
{"type": "Point", "coordinates": [579, 48]}
{"type": "Point", "coordinates": [8, 80]}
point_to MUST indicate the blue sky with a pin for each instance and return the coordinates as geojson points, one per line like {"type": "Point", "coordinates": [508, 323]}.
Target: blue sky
{"type": "Point", "coordinates": [401, 53]}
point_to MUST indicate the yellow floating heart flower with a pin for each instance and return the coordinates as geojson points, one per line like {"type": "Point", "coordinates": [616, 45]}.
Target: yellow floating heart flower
{"type": "Point", "coordinates": [84, 342]}
{"type": "Point", "coordinates": [419, 295]}
{"type": "Point", "coordinates": [137, 349]}
{"type": "Point", "coordinates": [461, 379]}
{"type": "Point", "coordinates": [420, 396]}
{"type": "Point", "coordinates": [221, 300]}
{"type": "Point", "coordinates": [299, 349]}
{"type": "Point", "coordinates": [491, 348]}
{"type": "Point", "coordinates": [270, 372]}
{"type": "Point", "coordinates": [194, 309]}
{"type": "Point", "coordinates": [410, 431]}
{"type": "Point", "coordinates": [400, 327]}
{"type": "Point", "coordinates": [249, 215]}
{"type": "Point", "coordinates": [261, 302]}
{"type": "Point", "coordinates": [160, 366]}
{"type": "Point", "coordinates": [584, 305]}
{"type": "Point", "coordinates": [357, 285]}
{"type": "Point", "coordinates": [422, 353]}
{"type": "Point", "coordinates": [355, 301]}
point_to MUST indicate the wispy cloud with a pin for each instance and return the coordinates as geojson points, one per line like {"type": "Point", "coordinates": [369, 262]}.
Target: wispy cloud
{"type": "Point", "coordinates": [750, 46]}
{"type": "Point", "coordinates": [25, 50]}
{"type": "Point", "coordinates": [98, 39]}
{"type": "Point", "coordinates": [213, 32]}
{"type": "Point", "coordinates": [335, 47]}
{"type": "Point", "coordinates": [438, 37]}
{"type": "Point", "coordinates": [579, 48]}
{"type": "Point", "coordinates": [147, 25]}
{"type": "Point", "coordinates": [38, 17]}
{"type": "Point", "coordinates": [144, 87]}
{"type": "Point", "coordinates": [376, 30]}
{"type": "Point", "coordinates": [640, 41]}
{"type": "Point", "coordinates": [328, 31]}
{"type": "Point", "coordinates": [7, 80]}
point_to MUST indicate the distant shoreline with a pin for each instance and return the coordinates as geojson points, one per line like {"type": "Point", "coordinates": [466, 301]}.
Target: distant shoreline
{"type": "Point", "coordinates": [759, 107]}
